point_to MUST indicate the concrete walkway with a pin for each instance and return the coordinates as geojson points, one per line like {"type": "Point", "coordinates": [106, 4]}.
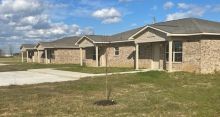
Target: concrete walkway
{"type": "Point", "coordinates": [36, 76]}
{"type": "Point", "coordinates": [1, 64]}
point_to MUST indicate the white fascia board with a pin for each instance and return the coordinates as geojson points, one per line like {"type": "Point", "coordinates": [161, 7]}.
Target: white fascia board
{"type": "Point", "coordinates": [115, 41]}
{"type": "Point", "coordinates": [194, 34]}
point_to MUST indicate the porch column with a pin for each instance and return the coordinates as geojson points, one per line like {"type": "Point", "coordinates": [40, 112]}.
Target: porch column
{"type": "Point", "coordinates": [137, 56]}
{"type": "Point", "coordinates": [170, 68]}
{"type": "Point", "coordinates": [22, 56]}
{"type": "Point", "coordinates": [45, 56]}
{"type": "Point", "coordinates": [97, 55]}
{"type": "Point", "coordinates": [81, 57]}
{"type": "Point", "coordinates": [38, 56]}
{"type": "Point", "coordinates": [27, 56]}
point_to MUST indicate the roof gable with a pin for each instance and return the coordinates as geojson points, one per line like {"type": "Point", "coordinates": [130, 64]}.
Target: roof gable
{"type": "Point", "coordinates": [150, 36]}
{"type": "Point", "coordinates": [85, 42]}
{"type": "Point", "coordinates": [25, 47]}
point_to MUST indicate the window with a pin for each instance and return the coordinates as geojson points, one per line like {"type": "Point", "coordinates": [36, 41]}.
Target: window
{"type": "Point", "coordinates": [116, 51]}
{"type": "Point", "coordinates": [177, 51]}
{"type": "Point", "coordinates": [52, 55]}
{"type": "Point", "coordinates": [93, 54]}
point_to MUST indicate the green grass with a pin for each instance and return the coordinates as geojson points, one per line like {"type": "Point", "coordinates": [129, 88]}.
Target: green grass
{"type": "Point", "coordinates": [10, 59]}
{"type": "Point", "coordinates": [25, 66]}
{"type": "Point", "coordinates": [95, 70]}
{"type": "Point", "coordinates": [15, 66]}
{"type": "Point", "coordinates": [142, 94]}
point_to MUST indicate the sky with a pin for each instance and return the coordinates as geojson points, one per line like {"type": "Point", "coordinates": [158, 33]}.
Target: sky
{"type": "Point", "coordinates": [32, 21]}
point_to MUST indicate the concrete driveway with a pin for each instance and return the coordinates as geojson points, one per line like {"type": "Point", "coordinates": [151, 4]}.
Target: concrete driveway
{"type": "Point", "coordinates": [1, 64]}
{"type": "Point", "coordinates": [39, 76]}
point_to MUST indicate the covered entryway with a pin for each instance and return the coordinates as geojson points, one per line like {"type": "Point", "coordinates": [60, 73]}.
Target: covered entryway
{"type": "Point", "coordinates": [154, 41]}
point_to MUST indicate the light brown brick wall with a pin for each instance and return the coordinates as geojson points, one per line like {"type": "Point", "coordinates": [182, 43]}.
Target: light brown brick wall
{"type": "Point", "coordinates": [210, 52]}
{"type": "Point", "coordinates": [35, 57]}
{"type": "Point", "coordinates": [126, 57]}
{"type": "Point", "coordinates": [41, 54]}
{"type": "Point", "coordinates": [191, 57]}
{"type": "Point", "coordinates": [65, 56]}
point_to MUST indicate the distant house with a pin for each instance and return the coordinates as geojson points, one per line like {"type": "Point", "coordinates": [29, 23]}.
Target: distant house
{"type": "Point", "coordinates": [61, 51]}
{"type": "Point", "coordinates": [28, 50]}
{"type": "Point", "coordinates": [188, 44]}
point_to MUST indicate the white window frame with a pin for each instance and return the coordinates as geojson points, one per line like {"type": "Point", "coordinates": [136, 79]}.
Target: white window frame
{"type": "Point", "coordinates": [116, 51]}
{"type": "Point", "coordinates": [173, 53]}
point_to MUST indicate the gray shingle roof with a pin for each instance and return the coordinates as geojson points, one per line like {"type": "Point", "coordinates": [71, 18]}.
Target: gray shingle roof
{"type": "Point", "coordinates": [29, 46]}
{"type": "Point", "coordinates": [123, 36]}
{"type": "Point", "coordinates": [66, 42]}
{"type": "Point", "coordinates": [99, 38]}
{"type": "Point", "coordinates": [188, 26]}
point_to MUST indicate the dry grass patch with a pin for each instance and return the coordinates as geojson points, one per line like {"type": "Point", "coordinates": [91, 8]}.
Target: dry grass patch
{"type": "Point", "coordinates": [142, 94]}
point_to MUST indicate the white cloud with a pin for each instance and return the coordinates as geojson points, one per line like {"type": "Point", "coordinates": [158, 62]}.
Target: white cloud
{"type": "Point", "coordinates": [168, 5]}
{"type": "Point", "coordinates": [108, 15]}
{"type": "Point", "coordinates": [26, 21]}
{"type": "Point", "coordinates": [190, 11]}
{"type": "Point", "coordinates": [184, 5]}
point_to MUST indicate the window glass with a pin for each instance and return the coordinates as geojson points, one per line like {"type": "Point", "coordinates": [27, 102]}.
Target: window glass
{"type": "Point", "coordinates": [177, 46]}
{"type": "Point", "coordinates": [116, 51]}
{"type": "Point", "coordinates": [52, 54]}
{"type": "Point", "coordinates": [177, 51]}
{"type": "Point", "coordinates": [94, 54]}
{"type": "Point", "coordinates": [178, 57]}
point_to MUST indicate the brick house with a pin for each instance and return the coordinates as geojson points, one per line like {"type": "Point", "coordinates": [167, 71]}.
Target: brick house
{"type": "Point", "coordinates": [28, 50]}
{"type": "Point", "coordinates": [188, 44]}
{"type": "Point", "coordinates": [61, 51]}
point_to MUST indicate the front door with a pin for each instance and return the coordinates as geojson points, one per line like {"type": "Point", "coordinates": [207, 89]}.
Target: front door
{"type": "Point", "coordinates": [156, 56]}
